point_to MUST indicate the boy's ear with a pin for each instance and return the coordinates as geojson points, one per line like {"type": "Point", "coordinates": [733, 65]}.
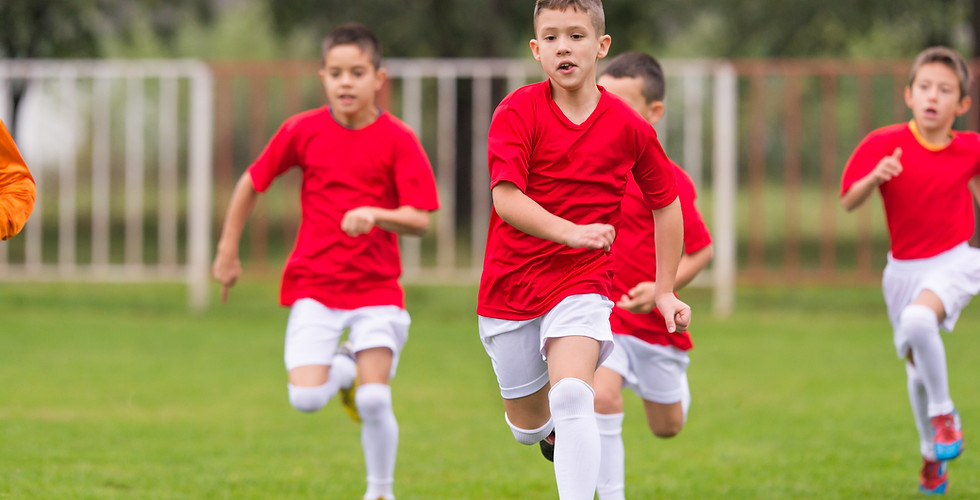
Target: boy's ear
{"type": "Point", "coordinates": [908, 97]}
{"type": "Point", "coordinates": [605, 41]}
{"type": "Point", "coordinates": [655, 111]}
{"type": "Point", "coordinates": [963, 106]}
{"type": "Point", "coordinates": [380, 75]}
{"type": "Point", "coordinates": [535, 50]}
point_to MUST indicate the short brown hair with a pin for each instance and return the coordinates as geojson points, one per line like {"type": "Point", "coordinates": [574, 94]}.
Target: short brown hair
{"type": "Point", "coordinates": [591, 7]}
{"type": "Point", "coordinates": [947, 56]}
{"type": "Point", "coordinates": [642, 66]}
{"type": "Point", "coordinates": [353, 34]}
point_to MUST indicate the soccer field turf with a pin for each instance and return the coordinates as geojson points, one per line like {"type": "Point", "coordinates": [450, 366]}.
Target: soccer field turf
{"type": "Point", "coordinates": [117, 391]}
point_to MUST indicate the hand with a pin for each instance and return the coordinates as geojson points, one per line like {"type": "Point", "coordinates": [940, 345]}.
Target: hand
{"type": "Point", "coordinates": [226, 269]}
{"type": "Point", "coordinates": [640, 299]}
{"type": "Point", "coordinates": [592, 236]}
{"type": "Point", "coordinates": [676, 313]}
{"type": "Point", "coordinates": [358, 221]}
{"type": "Point", "coordinates": [888, 168]}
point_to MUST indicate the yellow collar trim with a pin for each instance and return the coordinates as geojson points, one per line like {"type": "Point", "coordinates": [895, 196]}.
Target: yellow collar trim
{"type": "Point", "coordinates": [926, 144]}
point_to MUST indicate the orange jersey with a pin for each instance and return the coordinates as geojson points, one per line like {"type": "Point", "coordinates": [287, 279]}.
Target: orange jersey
{"type": "Point", "coordinates": [17, 190]}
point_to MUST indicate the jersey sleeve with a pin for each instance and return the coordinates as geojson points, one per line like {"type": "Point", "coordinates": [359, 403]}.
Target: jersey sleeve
{"type": "Point", "coordinates": [863, 160]}
{"type": "Point", "coordinates": [414, 179]}
{"type": "Point", "coordinates": [278, 156]}
{"type": "Point", "coordinates": [696, 234]}
{"type": "Point", "coordinates": [653, 171]}
{"type": "Point", "coordinates": [17, 189]}
{"type": "Point", "coordinates": [509, 144]}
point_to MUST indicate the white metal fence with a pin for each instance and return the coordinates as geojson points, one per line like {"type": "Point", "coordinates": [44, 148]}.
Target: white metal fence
{"type": "Point", "coordinates": [122, 153]}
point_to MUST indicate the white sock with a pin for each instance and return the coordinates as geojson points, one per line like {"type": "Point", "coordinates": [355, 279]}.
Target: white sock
{"type": "Point", "coordinates": [343, 371]}
{"type": "Point", "coordinates": [612, 468]}
{"type": "Point", "coordinates": [529, 436]}
{"type": "Point", "coordinates": [379, 438]}
{"type": "Point", "coordinates": [920, 410]}
{"type": "Point", "coordinates": [577, 445]}
{"type": "Point", "coordinates": [918, 324]}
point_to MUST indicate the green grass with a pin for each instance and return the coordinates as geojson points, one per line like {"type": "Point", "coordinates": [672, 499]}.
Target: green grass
{"type": "Point", "coordinates": [117, 391]}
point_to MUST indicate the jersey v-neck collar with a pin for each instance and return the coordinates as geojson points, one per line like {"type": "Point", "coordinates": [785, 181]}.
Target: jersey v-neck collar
{"type": "Point", "coordinates": [926, 144]}
{"type": "Point", "coordinates": [561, 114]}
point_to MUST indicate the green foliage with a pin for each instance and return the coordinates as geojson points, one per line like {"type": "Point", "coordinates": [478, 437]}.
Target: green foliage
{"type": "Point", "coordinates": [116, 391]}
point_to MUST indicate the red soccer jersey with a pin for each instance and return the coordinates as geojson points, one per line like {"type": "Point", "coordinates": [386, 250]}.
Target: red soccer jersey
{"type": "Point", "coordinates": [929, 207]}
{"type": "Point", "coordinates": [636, 259]}
{"type": "Point", "coordinates": [577, 172]}
{"type": "Point", "coordinates": [380, 165]}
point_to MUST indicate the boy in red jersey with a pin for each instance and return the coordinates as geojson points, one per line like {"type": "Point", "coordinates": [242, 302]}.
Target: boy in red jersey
{"type": "Point", "coordinates": [559, 152]}
{"type": "Point", "coordinates": [17, 189]}
{"type": "Point", "coordinates": [925, 170]}
{"type": "Point", "coordinates": [366, 179]}
{"type": "Point", "coordinates": [647, 358]}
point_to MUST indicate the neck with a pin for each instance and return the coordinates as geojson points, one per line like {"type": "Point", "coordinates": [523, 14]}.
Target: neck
{"type": "Point", "coordinates": [935, 138]}
{"type": "Point", "coordinates": [359, 120]}
{"type": "Point", "coordinates": [577, 104]}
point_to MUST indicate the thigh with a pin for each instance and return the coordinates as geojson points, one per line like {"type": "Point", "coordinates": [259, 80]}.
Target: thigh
{"type": "Point", "coordinates": [584, 316]}
{"type": "Point", "coordinates": [377, 335]}
{"type": "Point", "coordinates": [312, 334]}
{"type": "Point", "coordinates": [515, 354]}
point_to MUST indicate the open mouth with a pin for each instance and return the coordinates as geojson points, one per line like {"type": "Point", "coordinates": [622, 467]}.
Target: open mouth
{"type": "Point", "coordinates": [566, 67]}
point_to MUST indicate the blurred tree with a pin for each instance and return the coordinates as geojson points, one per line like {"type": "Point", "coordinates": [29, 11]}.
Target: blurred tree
{"type": "Point", "coordinates": [76, 28]}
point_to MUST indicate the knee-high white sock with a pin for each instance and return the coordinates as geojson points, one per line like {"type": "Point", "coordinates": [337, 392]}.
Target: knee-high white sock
{"type": "Point", "coordinates": [529, 436]}
{"type": "Point", "coordinates": [577, 445]}
{"type": "Point", "coordinates": [612, 468]}
{"type": "Point", "coordinates": [918, 323]}
{"type": "Point", "coordinates": [310, 399]}
{"type": "Point", "coordinates": [920, 410]}
{"type": "Point", "coordinates": [379, 438]}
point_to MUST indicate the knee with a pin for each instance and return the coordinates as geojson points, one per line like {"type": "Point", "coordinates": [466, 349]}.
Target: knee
{"type": "Point", "coordinates": [667, 428]}
{"type": "Point", "coordinates": [373, 401]}
{"type": "Point", "coordinates": [571, 396]}
{"type": "Point", "coordinates": [918, 317]}
{"type": "Point", "coordinates": [608, 402]}
{"type": "Point", "coordinates": [308, 399]}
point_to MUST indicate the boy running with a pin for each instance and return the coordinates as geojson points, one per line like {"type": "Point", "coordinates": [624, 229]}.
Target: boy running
{"type": "Point", "coordinates": [925, 172]}
{"type": "Point", "coordinates": [366, 179]}
{"type": "Point", "coordinates": [647, 358]}
{"type": "Point", "coordinates": [559, 152]}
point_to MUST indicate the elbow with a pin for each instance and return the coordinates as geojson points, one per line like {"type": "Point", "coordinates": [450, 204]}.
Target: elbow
{"type": "Point", "coordinates": [421, 226]}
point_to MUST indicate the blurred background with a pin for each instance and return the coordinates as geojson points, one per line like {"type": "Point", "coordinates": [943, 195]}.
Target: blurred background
{"type": "Point", "coordinates": [136, 118]}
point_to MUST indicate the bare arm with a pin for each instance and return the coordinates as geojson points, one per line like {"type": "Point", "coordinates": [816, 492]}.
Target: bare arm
{"type": "Point", "coordinates": [975, 188]}
{"type": "Point", "coordinates": [669, 241]}
{"type": "Point", "coordinates": [227, 267]}
{"type": "Point", "coordinates": [889, 167]}
{"type": "Point", "coordinates": [401, 220]}
{"type": "Point", "coordinates": [691, 264]}
{"type": "Point", "coordinates": [525, 214]}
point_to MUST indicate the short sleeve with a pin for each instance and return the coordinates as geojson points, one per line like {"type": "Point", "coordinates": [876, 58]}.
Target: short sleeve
{"type": "Point", "coordinates": [863, 160]}
{"type": "Point", "coordinates": [653, 171]}
{"type": "Point", "coordinates": [696, 234]}
{"type": "Point", "coordinates": [278, 156]}
{"type": "Point", "coordinates": [509, 144]}
{"type": "Point", "coordinates": [414, 179]}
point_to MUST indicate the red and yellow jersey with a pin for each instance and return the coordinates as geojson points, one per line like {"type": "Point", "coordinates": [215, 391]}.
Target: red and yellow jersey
{"type": "Point", "coordinates": [928, 207]}
{"type": "Point", "coordinates": [17, 189]}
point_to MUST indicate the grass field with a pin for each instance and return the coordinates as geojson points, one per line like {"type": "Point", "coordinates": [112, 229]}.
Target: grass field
{"type": "Point", "coordinates": [117, 391]}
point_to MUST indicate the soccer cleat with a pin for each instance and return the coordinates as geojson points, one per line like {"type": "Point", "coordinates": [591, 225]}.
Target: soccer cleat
{"type": "Point", "coordinates": [548, 447]}
{"type": "Point", "coordinates": [932, 478]}
{"type": "Point", "coordinates": [347, 395]}
{"type": "Point", "coordinates": [948, 437]}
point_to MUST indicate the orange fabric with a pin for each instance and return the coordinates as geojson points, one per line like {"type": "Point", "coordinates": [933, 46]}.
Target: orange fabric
{"type": "Point", "coordinates": [17, 190]}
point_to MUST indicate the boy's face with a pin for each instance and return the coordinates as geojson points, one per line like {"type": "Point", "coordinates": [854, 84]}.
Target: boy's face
{"type": "Point", "coordinates": [351, 82]}
{"type": "Point", "coordinates": [934, 98]}
{"type": "Point", "coordinates": [630, 89]}
{"type": "Point", "coordinates": [568, 47]}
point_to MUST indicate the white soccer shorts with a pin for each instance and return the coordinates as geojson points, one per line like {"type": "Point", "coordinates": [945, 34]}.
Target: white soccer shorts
{"type": "Point", "coordinates": [654, 372]}
{"type": "Point", "coordinates": [517, 348]}
{"type": "Point", "coordinates": [314, 330]}
{"type": "Point", "coordinates": [954, 276]}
